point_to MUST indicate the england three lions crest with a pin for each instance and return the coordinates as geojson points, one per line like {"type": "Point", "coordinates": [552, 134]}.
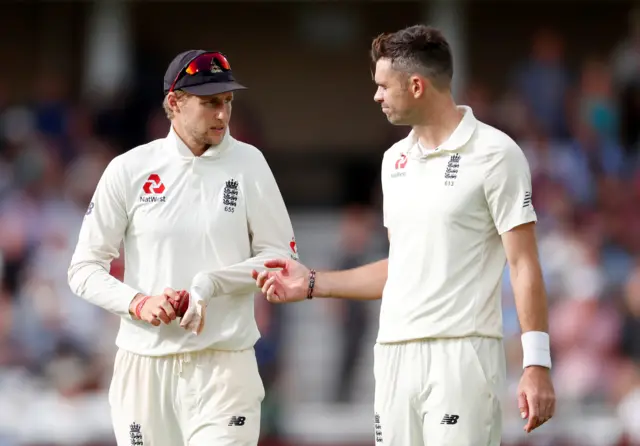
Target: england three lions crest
{"type": "Point", "coordinates": [230, 195]}
{"type": "Point", "coordinates": [451, 172]}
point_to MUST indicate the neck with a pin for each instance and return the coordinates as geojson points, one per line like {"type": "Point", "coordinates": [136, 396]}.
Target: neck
{"type": "Point", "coordinates": [440, 121]}
{"type": "Point", "coordinates": [196, 148]}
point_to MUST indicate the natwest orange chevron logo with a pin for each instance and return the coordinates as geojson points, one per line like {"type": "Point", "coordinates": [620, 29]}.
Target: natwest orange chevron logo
{"type": "Point", "coordinates": [153, 185]}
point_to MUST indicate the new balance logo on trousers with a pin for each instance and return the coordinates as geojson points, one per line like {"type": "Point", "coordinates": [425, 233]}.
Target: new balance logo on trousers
{"type": "Point", "coordinates": [237, 421]}
{"type": "Point", "coordinates": [449, 419]}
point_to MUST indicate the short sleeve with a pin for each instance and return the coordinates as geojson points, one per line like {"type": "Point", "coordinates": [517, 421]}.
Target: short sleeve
{"type": "Point", "coordinates": [508, 191]}
{"type": "Point", "coordinates": [383, 178]}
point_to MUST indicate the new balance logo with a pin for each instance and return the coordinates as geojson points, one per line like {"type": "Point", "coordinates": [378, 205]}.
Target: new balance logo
{"type": "Point", "coordinates": [450, 419]}
{"type": "Point", "coordinates": [237, 421]}
{"type": "Point", "coordinates": [527, 199]}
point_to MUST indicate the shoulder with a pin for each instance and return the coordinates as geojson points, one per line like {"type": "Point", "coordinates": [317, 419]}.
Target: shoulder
{"type": "Point", "coordinates": [124, 169]}
{"type": "Point", "coordinates": [141, 152]}
{"type": "Point", "coordinates": [136, 157]}
{"type": "Point", "coordinates": [496, 148]}
{"type": "Point", "coordinates": [249, 159]}
{"type": "Point", "coordinates": [493, 140]}
{"type": "Point", "coordinates": [245, 151]}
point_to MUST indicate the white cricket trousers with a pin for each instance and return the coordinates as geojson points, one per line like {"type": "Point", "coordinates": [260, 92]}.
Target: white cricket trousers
{"type": "Point", "coordinates": [441, 392]}
{"type": "Point", "coordinates": [207, 398]}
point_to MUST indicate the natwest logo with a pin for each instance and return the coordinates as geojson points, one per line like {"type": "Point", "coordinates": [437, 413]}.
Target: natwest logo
{"type": "Point", "coordinates": [402, 161]}
{"type": "Point", "coordinates": [154, 187]}
{"type": "Point", "coordinates": [294, 248]}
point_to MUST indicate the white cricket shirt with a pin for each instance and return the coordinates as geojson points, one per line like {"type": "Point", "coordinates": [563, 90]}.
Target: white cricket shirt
{"type": "Point", "coordinates": [178, 215]}
{"type": "Point", "coordinates": [445, 212]}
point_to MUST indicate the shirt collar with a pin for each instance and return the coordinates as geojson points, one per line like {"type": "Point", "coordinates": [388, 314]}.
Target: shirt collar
{"type": "Point", "coordinates": [176, 143]}
{"type": "Point", "coordinates": [460, 136]}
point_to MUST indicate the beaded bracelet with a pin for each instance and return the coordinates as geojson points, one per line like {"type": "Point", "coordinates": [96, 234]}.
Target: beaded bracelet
{"type": "Point", "coordinates": [312, 283]}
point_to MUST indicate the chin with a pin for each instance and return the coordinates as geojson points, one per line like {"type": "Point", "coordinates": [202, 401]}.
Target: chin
{"type": "Point", "coordinates": [214, 140]}
{"type": "Point", "coordinates": [399, 120]}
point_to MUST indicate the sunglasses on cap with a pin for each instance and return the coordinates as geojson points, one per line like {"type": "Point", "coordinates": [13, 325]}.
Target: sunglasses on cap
{"type": "Point", "coordinates": [212, 63]}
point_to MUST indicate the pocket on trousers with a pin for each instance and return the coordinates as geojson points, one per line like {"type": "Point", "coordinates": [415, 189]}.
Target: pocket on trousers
{"type": "Point", "coordinates": [114, 385]}
{"type": "Point", "coordinates": [255, 377]}
{"type": "Point", "coordinates": [477, 350]}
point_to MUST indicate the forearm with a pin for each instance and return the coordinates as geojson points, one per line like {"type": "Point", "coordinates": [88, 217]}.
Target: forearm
{"type": "Point", "coordinates": [233, 279]}
{"type": "Point", "coordinates": [362, 283]}
{"type": "Point", "coordinates": [93, 283]}
{"type": "Point", "coordinates": [530, 296]}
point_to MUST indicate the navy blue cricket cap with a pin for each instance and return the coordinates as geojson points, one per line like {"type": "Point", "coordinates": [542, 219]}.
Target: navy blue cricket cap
{"type": "Point", "coordinates": [209, 73]}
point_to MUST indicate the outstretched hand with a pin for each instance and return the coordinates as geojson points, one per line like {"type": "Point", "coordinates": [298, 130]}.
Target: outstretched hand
{"type": "Point", "coordinates": [289, 283]}
{"type": "Point", "coordinates": [536, 397]}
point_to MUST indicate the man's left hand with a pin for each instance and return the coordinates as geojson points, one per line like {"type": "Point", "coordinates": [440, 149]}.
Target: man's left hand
{"type": "Point", "coordinates": [199, 294]}
{"type": "Point", "coordinates": [536, 397]}
{"type": "Point", "coordinates": [193, 319]}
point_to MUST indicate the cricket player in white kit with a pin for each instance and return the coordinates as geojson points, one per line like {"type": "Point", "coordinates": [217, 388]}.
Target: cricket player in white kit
{"type": "Point", "coordinates": [197, 211]}
{"type": "Point", "coordinates": [457, 206]}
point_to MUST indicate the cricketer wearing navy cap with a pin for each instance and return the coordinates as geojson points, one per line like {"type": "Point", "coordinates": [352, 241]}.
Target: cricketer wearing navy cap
{"type": "Point", "coordinates": [200, 73]}
{"type": "Point", "coordinates": [198, 89]}
{"type": "Point", "coordinates": [196, 211]}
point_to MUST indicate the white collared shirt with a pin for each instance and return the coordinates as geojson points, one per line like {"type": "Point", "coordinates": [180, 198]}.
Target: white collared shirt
{"type": "Point", "coordinates": [445, 212]}
{"type": "Point", "coordinates": [178, 215]}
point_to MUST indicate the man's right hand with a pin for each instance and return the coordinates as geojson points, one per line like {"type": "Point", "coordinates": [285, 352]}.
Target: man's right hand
{"type": "Point", "coordinates": [289, 284]}
{"type": "Point", "coordinates": [155, 309]}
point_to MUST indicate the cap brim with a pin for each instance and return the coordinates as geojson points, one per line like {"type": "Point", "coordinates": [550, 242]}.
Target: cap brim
{"type": "Point", "coordinates": [213, 88]}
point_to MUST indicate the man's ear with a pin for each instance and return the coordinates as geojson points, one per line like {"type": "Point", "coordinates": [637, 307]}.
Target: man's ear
{"type": "Point", "coordinates": [172, 100]}
{"type": "Point", "coordinates": [417, 85]}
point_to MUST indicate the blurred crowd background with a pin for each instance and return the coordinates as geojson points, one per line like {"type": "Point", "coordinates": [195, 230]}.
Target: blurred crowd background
{"type": "Point", "coordinates": [81, 82]}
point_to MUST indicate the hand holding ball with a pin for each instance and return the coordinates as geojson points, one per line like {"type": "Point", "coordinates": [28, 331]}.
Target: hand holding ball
{"type": "Point", "coordinates": [181, 304]}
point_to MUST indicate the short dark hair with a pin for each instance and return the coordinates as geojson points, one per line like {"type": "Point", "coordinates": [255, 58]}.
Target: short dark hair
{"type": "Point", "coordinates": [417, 49]}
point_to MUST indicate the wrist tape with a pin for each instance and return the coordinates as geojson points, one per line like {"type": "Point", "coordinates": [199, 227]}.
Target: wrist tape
{"type": "Point", "coordinates": [535, 349]}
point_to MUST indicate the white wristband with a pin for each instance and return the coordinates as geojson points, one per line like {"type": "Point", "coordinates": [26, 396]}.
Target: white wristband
{"type": "Point", "coordinates": [535, 349]}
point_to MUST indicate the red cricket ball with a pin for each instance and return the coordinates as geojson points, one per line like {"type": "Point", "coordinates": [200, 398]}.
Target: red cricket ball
{"type": "Point", "coordinates": [180, 306]}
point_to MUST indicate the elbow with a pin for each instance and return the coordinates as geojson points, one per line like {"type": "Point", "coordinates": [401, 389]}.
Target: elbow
{"type": "Point", "coordinates": [73, 279]}
{"type": "Point", "coordinates": [79, 273]}
{"type": "Point", "coordinates": [526, 275]}
{"type": "Point", "coordinates": [530, 268]}
{"type": "Point", "coordinates": [203, 285]}
{"type": "Point", "coordinates": [278, 252]}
